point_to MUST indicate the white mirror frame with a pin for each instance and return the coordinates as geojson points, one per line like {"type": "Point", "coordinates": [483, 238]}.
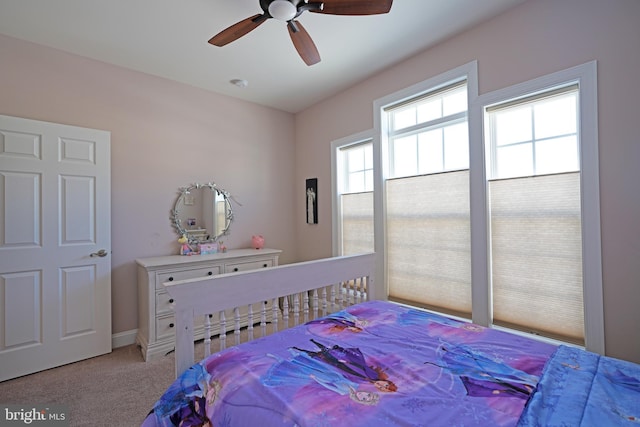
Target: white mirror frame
{"type": "Point", "coordinates": [177, 221]}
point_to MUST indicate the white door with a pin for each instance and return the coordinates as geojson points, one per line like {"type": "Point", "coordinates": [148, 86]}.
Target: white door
{"type": "Point", "coordinates": [55, 245]}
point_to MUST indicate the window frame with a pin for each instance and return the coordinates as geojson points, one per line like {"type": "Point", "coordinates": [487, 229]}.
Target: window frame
{"type": "Point", "coordinates": [468, 72]}
{"type": "Point", "coordinates": [337, 167]}
{"type": "Point", "coordinates": [585, 76]}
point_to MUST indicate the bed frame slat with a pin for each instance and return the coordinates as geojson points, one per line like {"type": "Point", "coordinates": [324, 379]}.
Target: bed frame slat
{"type": "Point", "coordinates": [275, 314]}
{"type": "Point", "coordinates": [223, 330]}
{"type": "Point", "coordinates": [250, 325]}
{"type": "Point", "coordinates": [207, 334]}
{"type": "Point", "coordinates": [236, 327]}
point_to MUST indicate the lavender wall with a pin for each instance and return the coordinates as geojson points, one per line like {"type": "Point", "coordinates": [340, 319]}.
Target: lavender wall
{"type": "Point", "coordinates": [531, 40]}
{"type": "Point", "coordinates": [164, 135]}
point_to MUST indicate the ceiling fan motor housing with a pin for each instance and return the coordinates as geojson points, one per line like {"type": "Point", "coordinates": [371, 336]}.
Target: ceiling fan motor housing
{"type": "Point", "coordinates": [282, 10]}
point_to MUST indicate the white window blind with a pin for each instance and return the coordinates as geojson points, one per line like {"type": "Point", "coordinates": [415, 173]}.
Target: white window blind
{"type": "Point", "coordinates": [427, 200]}
{"type": "Point", "coordinates": [428, 241]}
{"type": "Point", "coordinates": [354, 188]}
{"type": "Point", "coordinates": [536, 255]}
{"type": "Point", "coordinates": [536, 225]}
{"type": "Point", "coordinates": [357, 223]}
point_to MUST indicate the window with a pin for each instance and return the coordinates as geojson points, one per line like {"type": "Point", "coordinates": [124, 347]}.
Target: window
{"type": "Point", "coordinates": [535, 221]}
{"type": "Point", "coordinates": [353, 182]}
{"type": "Point", "coordinates": [358, 168]}
{"type": "Point", "coordinates": [426, 194]}
{"type": "Point", "coordinates": [534, 210]}
{"type": "Point", "coordinates": [463, 215]}
{"type": "Point", "coordinates": [535, 136]}
{"type": "Point", "coordinates": [429, 134]}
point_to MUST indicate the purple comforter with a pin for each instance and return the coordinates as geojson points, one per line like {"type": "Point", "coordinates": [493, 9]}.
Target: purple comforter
{"type": "Point", "coordinates": [373, 364]}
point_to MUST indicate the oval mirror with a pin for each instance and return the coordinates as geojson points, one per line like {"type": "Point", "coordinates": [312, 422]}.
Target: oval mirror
{"type": "Point", "coordinates": [202, 212]}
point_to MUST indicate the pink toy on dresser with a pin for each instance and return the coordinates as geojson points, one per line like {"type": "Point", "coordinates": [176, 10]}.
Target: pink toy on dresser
{"type": "Point", "coordinates": [257, 241]}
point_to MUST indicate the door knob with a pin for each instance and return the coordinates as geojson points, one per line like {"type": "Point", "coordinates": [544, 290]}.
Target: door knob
{"type": "Point", "coordinates": [101, 253]}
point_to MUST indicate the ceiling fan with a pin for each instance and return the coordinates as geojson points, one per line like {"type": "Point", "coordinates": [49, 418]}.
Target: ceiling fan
{"type": "Point", "coordinates": [288, 10]}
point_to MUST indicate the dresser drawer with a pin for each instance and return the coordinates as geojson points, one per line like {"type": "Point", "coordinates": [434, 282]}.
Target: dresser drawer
{"type": "Point", "coordinates": [250, 265]}
{"type": "Point", "coordinates": [165, 327]}
{"type": "Point", "coordinates": [163, 303]}
{"type": "Point", "coordinates": [174, 276]}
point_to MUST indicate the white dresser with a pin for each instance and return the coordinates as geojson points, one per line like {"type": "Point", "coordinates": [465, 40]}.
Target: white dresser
{"type": "Point", "coordinates": [156, 322]}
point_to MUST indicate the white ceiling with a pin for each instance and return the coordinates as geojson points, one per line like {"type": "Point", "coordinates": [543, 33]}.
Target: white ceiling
{"type": "Point", "coordinates": [168, 38]}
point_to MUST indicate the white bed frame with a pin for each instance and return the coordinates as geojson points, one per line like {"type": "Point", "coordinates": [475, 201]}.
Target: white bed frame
{"type": "Point", "coordinates": [312, 288]}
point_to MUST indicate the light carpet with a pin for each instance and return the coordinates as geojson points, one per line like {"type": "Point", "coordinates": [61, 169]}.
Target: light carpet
{"type": "Point", "coordinates": [116, 389]}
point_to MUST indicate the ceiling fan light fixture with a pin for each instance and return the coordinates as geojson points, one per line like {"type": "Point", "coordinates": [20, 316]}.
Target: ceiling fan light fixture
{"type": "Point", "coordinates": [282, 10]}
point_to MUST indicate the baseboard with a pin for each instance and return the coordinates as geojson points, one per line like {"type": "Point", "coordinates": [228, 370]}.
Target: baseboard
{"type": "Point", "coordinates": [125, 338]}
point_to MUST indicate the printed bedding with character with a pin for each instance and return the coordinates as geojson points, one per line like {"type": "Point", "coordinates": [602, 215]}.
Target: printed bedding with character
{"type": "Point", "coordinates": [381, 363]}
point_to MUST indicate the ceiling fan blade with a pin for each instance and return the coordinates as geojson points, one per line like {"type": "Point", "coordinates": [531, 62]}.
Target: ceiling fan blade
{"type": "Point", "coordinates": [354, 7]}
{"type": "Point", "coordinates": [303, 43]}
{"type": "Point", "coordinates": [238, 30]}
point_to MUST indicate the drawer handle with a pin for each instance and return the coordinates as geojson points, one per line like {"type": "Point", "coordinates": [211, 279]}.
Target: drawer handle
{"type": "Point", "coordinates": [171, 325]}
{"type": "Point", "coordinates": [171, 279]}
{"type": "Point", "coordinates": [235, 269]}
{"type": "Point", "coordinates": [265, 265]}
{"type": "Point", "coordinates": [210, 273]}
{"type": "Point", "coordinates": [171, 301]}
